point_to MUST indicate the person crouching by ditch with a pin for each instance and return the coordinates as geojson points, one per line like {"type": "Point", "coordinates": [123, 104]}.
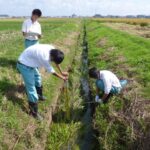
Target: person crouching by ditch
{"type": "Point", "coordinates": [37, 56]}
{"type": "Point", "coordinates": [31, 29]}
{"type": "Point", "coordinates": [107, 82]}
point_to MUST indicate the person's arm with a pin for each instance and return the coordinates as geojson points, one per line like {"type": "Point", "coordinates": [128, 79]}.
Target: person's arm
{"type": "Point", "coordinates": [60, 76]}
{"type": "Point", "coordinates": [24, 34]}
{"type": "Point", "coordinates": [104, 97]}
{"type": "Point", "coordinates": [40, 32]}
{"type": "Point", "coordinates": [97, 90]}
{"type": "Point", "coordinates": [107, 88]}
{"type": "Point", "coordinates": [60, 70]}
{"type": "Point", "coordinates": [50, 69]}
{"type": "Point", "coordinates": [98, 99]}
{"type": "Point", "coordinates": [39, 36]}
{"type": "Point", "coordinates": [24, 29]}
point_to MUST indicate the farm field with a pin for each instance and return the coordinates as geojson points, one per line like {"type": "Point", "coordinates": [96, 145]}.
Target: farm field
{"type": "Point", "coordinates": [124, 122]}
{"type": "Point", "coordinates": [143, 31]}
{"type": "Point", "coordinates": [69, 119]}
{"type": "Point", "coordinates": [134, 21]}
{"type": "Point", "coordinates": [18, 130]}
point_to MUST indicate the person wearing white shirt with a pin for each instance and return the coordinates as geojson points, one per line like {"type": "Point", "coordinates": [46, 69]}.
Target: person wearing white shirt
{"type": "Point", "coordinates": [108, 82]}
{"type": "Point", "coordinates": [31, 29]}
{"type": "Point", "coordinates": [38, 56]}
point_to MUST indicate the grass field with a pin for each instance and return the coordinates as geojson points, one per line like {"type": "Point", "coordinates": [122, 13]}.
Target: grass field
{"type": "Point", "coordinates": [134, 21]}
{"type": "Point", "coordinates": [121, 124]}
{"type": "Point", "coordinates": [13, 119]}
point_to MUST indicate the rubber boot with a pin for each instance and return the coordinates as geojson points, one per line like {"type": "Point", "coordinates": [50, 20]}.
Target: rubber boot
{"type": "Point", "coordinates": [34, 111]}
{"type": "Point", "coordinates": [40, 93]}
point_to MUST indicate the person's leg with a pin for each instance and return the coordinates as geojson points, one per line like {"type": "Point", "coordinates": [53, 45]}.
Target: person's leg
{"type": "Point", "coordinates": [35, 42]}
{"type": "Point", "coordinates": [29, 80]}
{"type": "Point", "coordinates": [28, 77]}
{"type": "Point", "coordinates": [38, 79]}
{"type": "Point", "coordinates": [34, 111]}
{"type": "Point", "coordinates": [100, 85]}
{"type": "Point", "coordinates": [29, 43]}
{"type": "Point", "coordinates": [38, 84]}
{"type": "Point", "coordinates": [116, 90]}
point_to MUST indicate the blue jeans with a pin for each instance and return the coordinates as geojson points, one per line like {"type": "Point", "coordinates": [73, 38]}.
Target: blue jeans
{"type": "Point", "coordinates": [29, 43]}
{"type": "Point", "coordinates": [114, 90]}
{"type": "Point", "coordinates": [32, 78]}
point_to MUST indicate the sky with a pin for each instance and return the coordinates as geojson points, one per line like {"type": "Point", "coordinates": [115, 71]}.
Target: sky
{"type": "Point", "coordinates": [79, 7]}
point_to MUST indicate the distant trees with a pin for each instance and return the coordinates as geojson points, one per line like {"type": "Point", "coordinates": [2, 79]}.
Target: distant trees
{"type": "Point", "coordinates": [117, 16]}
{"type": "Point", "coordinates": [4, 16]}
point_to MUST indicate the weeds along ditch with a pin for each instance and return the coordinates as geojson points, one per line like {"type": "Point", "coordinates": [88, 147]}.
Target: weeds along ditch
{"type": "Point", "coordinates": [72, 119]}
{"type": "Point", "coordinates": [124, 122]}
{"type": "Point", "coordinates": [18, 129]}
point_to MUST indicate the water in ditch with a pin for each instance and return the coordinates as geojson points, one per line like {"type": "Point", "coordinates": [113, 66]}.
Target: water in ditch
{"type": "Point", "coordinates": [75, 109]}
{"type": "Point", "coordinates": [89, 141]}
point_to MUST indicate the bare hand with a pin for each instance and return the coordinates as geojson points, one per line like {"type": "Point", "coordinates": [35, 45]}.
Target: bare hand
{"type": "Point", "coordinates": [39, 36]}
{"type": "Point", "coordinates": [65, 78]}
{"type": "Point", "coordinates": [24, 34]}
{"type": "Point", "coordinates": [66, 74]}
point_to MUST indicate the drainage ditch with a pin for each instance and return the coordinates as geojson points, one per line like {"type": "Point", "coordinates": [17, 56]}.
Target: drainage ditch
{"type": "Point", "coordinates": [89, 141]}
{"type": "Point", "coordinates": [75, 109]}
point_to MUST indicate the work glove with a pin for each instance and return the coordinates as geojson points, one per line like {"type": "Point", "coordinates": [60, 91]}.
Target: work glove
{"type": "Point", "coordinates": [98, 100]}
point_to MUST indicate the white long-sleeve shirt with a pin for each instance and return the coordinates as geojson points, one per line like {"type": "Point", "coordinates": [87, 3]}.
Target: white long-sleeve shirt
{"type": "Point", "coordinates": [110, 80]}
{"type": "Point", "coordinates": [32, 29]}
{"type": "Point", "coordinates": [37, 55]}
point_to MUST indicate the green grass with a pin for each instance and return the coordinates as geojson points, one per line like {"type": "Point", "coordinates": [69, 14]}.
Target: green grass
{"type": "Point", "coordinates": [134, 49]}
{"type": "Point", "coordinates": [65, 131]}
{"type": "Point", "coordinates": [13, 119]}
{"type": "Point", "coordinates": [10, 25]}
{"type": "Point", "coordinates": [128, 57]}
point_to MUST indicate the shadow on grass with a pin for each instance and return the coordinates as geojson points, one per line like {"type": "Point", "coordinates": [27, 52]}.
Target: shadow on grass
{"type": "Point", "coordinates": [60, 116]}
{"type": "Point", "coordinates": [10, 90]}
{"type": "Point", "coordinates": [5, 62]}
{"type": "Point", "coordinates": [75, 115]}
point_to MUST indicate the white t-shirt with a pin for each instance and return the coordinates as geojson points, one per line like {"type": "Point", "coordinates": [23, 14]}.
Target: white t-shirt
{"type": "Point", "coordinates": [37, 55]}
{"type": "Point", "coordinates": [110, 80]}
{"type": "Point", "coordinates": [33, 29]}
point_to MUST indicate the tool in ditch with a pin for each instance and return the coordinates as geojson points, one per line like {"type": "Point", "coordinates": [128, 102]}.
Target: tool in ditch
{"type": "Point", "coordinates": [67, 100]}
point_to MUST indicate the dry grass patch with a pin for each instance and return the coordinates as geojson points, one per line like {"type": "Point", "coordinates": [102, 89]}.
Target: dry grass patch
{"type": "Point", "coordinates": [131, 29]}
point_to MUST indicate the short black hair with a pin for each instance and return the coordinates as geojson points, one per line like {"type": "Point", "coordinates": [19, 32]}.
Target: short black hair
{"type": "Point", "coordinates": [93, 72]}
{"type": "Point", "coordinates": [37, 12]}
{"type": "Point", "coordinates": [57, 55]}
